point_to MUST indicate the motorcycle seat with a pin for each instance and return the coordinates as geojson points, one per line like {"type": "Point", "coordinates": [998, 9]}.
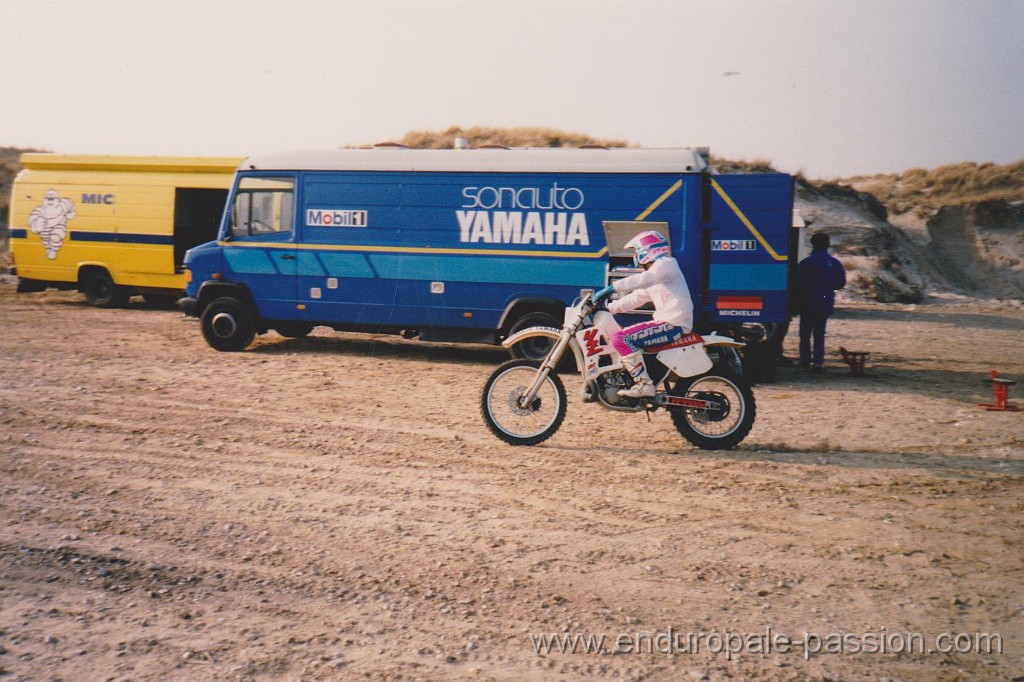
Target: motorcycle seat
{"type": "Point", "coordinates": [685, 340]}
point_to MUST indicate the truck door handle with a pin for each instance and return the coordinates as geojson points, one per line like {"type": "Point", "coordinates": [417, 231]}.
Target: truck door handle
{"type": "Point", "coordinates": [287, 257]}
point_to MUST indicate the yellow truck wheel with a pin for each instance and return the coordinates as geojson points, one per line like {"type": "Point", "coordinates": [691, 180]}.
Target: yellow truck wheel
{"type": "Point", "coordinates": [100, 289]}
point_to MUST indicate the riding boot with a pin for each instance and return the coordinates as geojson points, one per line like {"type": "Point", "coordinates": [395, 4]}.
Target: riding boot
{"type": "Point", "coordinates": [642, 386]}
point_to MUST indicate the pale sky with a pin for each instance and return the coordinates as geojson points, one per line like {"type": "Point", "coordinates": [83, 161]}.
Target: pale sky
{"type": "Point", "coordinates": [825, 87]}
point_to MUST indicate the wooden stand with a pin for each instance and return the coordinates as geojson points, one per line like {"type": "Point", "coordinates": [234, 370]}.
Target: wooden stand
{"type": "Point", "coordinates": [855, 359]}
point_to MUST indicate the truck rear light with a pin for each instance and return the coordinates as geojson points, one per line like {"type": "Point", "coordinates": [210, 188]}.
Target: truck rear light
{"type": "Point", "coordinates": [215, 275]}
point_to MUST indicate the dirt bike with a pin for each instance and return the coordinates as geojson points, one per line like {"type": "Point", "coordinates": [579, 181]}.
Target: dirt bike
{"type": "Point", "coordinates": [524, 401]}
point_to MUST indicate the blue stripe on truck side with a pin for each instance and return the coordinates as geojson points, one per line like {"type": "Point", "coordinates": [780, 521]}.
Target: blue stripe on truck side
{"type": "Point", "coordinates": [340, 264]}
{"type": "Point", "coordinates": [556, 271]}
{"type": "Point", "coordinates": [253, 261]}
{"type": "Point", "coordinates": [399, 266]}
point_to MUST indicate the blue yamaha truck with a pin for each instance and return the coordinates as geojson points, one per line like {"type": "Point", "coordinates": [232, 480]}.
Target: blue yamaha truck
{"type": "Point", "coordinates": [474, 245]}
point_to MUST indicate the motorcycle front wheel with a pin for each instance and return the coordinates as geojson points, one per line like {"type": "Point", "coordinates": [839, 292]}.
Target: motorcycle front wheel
{"type": "Point", "coordinates": [513, 422]}
{"type": "Point", "coordinates": [723, 426]}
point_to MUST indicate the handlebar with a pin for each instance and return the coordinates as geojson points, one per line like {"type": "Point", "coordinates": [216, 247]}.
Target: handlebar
{"type": "Point", "coordinates": [589, 305]}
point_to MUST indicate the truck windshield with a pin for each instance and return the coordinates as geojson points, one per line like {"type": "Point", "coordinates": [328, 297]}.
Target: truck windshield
{"type": "Point", "coordinates": [263, 206]}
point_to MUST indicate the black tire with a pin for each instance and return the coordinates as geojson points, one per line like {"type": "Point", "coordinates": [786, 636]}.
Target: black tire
{"type": "Point", "coordinates": [30, 286]}
{"type": "Point", "coordinates": [759, 362]}
{"type": "Point", "coordinates": [101, 291]}
{"type": "Point", "coordinates": [721, 429]}
{"type": "Point", "coordinates": [516, 425]}
{"type": "Point", "coordinates": [228, 324]}
{"type": "Point", "coordinates": [294, 330]}
{"type": "Point", "coordinates": [535, 349]}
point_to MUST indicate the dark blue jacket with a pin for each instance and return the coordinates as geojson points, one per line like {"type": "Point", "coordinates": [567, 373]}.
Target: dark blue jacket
{"type": "Point", "coordinates": [820, 276]}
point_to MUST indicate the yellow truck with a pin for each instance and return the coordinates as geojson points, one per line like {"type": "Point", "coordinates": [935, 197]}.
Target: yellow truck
{"type": "Point", "coordinates": [114, 226]}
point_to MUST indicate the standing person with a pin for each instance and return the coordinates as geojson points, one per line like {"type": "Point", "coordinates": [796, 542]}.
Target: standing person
{"type": "Point", "coordinates": [820, 276]}
{"type": "Point", "coordinates": [661, 283]}
{"type": "Point", "coordinates": [777, 340]}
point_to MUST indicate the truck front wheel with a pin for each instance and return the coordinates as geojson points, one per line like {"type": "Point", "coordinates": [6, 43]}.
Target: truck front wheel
{"type": "Point", "coordinates": [229, 325]}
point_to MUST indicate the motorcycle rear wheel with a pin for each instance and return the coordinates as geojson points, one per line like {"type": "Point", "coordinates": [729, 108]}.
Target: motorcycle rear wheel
{"type": "Point", "coordinates": [512, 422]}
{"type": "Point", "coordinates": [720, 429]}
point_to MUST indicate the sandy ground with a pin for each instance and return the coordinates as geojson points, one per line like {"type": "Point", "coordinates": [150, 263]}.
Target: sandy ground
{"type": "Point", "coordinates": [334, 508]}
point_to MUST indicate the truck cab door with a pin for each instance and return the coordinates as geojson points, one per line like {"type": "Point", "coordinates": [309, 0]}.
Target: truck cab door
{"type": "Point", "coordinates": [259, 251]}
{"type": "Point", "coordinates": [746, 243]}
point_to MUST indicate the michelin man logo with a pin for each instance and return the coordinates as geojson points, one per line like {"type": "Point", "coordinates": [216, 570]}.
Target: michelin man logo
{"type": "Point", "coordinates": [50, 221]}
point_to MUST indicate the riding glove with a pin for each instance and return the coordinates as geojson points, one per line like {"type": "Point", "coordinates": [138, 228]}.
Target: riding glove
{"type": "Point", "coordinates": [603, 294]}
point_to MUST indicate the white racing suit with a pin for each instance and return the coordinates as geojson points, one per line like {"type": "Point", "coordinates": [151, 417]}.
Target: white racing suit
{"type": "Point", "coordinates": [664, 285]}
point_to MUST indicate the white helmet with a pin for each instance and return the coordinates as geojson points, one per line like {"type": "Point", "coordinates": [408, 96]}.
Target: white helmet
{"type": "Point", "coordinates": [649, 247]}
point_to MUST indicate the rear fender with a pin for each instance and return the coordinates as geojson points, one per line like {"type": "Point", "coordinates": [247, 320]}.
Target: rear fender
{"type": "Point", "coordinates": [548, 333]}
{"type": "Point", "coordinates": [718, 340]}
{"type": "Point", "coordinates": [692, 359]}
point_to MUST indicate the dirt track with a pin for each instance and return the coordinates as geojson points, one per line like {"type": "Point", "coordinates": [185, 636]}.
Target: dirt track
{"type": "Point", "coordinates": [334, 508]}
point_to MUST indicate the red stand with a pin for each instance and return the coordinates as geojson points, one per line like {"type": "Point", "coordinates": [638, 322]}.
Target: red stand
{"type": "Point", "coordinates": [1001, 390]}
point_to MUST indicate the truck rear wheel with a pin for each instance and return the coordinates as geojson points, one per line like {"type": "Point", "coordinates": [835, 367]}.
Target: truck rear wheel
{"type": "Point", "coordinates": [229, 325]}
{"type": "Point", "coordinates": [535, 349]}
{"type": "Point", "coordinates": [759, 362]}
{"type": "Point", "coordinates": [101, 291]}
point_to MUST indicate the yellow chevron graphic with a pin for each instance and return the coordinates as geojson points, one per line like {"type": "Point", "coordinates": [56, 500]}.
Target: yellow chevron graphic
{"type": "Point", "coordinates": [660, 200]}
{"type": "Point", "coordinates": [750, 226]}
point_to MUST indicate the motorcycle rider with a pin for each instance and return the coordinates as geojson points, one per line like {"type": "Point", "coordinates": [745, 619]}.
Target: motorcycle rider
{"type": "Point", "coordinates": [661, 283]}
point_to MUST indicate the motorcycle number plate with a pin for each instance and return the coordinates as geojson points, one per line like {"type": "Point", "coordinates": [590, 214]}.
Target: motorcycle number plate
{"type": "Point", "coordinates": [687, 361]}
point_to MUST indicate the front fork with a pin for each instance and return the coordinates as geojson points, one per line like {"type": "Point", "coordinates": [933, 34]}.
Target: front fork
{"type": "Point", "coordinates": [552, 359]}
